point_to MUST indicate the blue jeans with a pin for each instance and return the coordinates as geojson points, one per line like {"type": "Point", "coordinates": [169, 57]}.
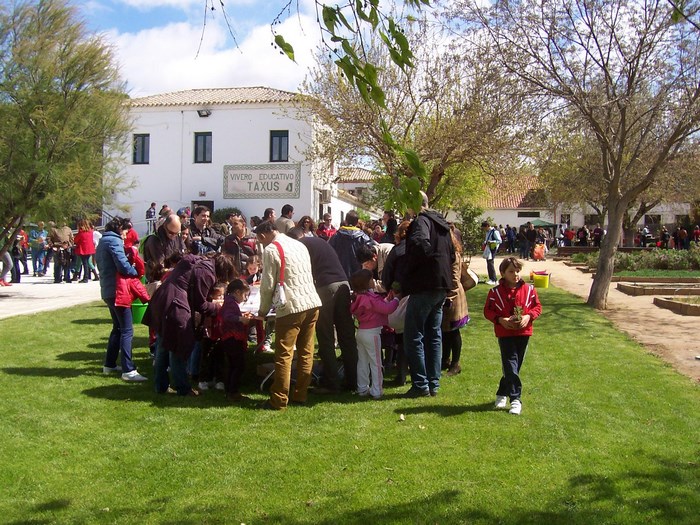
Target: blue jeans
{"type": "Point", "coordinates": [120, 337]}
{"type": "Point", "coordinates": [512, 356]}
{"type": "Point", "coordinates": [422, 338]}
{"type": "Point", "coordinates": [178, 368]}
{"type": "Point", "coordinates": [38, 256]}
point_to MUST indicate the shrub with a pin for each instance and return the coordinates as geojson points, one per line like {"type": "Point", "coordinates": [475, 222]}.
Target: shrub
{"type": "Point", "coordinates": [220, 214]}
{"type": "Point", "coordinates": [649, 260]}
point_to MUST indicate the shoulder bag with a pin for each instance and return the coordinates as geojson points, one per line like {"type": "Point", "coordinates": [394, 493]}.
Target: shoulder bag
{"type": "Point", "coordinates": [279, 297]}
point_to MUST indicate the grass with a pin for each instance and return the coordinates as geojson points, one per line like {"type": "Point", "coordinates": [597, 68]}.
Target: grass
{"type": "Point", "coordinates": [658, 273]}
{"type": "Point", "coordinates": [609, 434]}
{"type": "Point", "coordinates": [691, 299]}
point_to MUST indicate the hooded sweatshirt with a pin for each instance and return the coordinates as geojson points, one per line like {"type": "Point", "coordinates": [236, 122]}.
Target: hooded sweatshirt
{"type": "Point", "coordinates": [429, 254]}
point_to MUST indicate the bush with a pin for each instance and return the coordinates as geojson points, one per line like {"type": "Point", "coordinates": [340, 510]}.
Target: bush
{"type": "Point", "coordinates": [220, 214]}
{"type": "Point", "coordinates": [649, 260]}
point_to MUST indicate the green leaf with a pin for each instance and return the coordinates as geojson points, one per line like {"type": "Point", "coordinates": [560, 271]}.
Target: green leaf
{"type": "Point", "coordinates": [285, 47]}
{"type": "Point", "coordinates": [377, 96]}
{"type": "Point", "coordinates": [330, 18]}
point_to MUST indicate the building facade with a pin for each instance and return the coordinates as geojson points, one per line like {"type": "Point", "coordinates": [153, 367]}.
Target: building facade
{"type": "Point", "coordinates": [228, 147]}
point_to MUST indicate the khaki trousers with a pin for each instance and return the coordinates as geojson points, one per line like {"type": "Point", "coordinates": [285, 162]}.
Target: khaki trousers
{"type": "Point", "coordinates": [290, 330]}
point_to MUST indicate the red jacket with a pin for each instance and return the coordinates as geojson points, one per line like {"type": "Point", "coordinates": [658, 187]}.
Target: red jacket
{"type": "Point", "coordinates": [84, 243]}
{"type": "Point", "coordinates": [131, 288]}
{"type": "Point", "coordinates": [502, 299]}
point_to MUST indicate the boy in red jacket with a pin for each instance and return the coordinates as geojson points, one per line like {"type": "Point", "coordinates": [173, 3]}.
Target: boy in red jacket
{"type": "Point", "coordinates": [512, 306]}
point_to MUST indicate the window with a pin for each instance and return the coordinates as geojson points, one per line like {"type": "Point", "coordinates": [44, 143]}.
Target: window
{"type": "Point", "coordinates": [279, 146]}
{"type": "Point", "coordinates": [142, 147]}
{"type": "Point", "coordinates": [682, 220]}
{"type": "Point", "coordinates": [592, 219]}
{"type": "Point", "coordinates": [202, 147]}
{"type": "Point", "coordinates": [530, 214]}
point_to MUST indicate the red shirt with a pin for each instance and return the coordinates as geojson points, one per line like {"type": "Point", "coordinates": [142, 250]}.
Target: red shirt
{"type": "Point", "coordinates": [502, 299]}
{"type": "Point", "coordinates": [84, 243]}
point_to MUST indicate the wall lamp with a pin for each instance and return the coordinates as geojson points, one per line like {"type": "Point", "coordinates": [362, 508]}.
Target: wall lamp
{"type": "Point", "coordinates": [203, 112]}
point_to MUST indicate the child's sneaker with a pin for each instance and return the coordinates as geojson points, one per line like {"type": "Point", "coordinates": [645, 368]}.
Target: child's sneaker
{"type": "Point", "coordinates": [501, 401]}
{"type": "Point", "coordinates": [219, 386]}
{"type": "Point", "coordinates": [515, 407]}
{"type": "Point", "coordinates": [203, 385]}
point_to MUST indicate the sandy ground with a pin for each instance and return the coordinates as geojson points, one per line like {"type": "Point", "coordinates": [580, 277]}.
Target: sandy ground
{"type": "Point", "coordinates": [660, 331]}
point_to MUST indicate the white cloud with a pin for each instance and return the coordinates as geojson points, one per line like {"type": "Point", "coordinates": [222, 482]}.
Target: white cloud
{"type": "Point", "coordinates": [162, 59]}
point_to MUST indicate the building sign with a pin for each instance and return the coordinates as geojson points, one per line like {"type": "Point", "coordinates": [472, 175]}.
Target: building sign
{"type": "Point", "coordinates": [262, 181]}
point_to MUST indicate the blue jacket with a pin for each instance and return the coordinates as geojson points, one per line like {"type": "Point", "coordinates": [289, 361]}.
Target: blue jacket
{"type": "Point", "coordinates": [345, 243]}
{"type": "Point", "coordinates": [110, 259]}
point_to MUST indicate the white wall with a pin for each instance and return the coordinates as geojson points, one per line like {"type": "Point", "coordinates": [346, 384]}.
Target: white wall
{"type": "Point", "coordinates": [240, 136]}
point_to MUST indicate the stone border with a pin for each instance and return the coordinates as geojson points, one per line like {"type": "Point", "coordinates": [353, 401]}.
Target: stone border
{"type": "Point", "coordinates": [636, 289]}
{"type": "Point", "coordinates": [677, 307]}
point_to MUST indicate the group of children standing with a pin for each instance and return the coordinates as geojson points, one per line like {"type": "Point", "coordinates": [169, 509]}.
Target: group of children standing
{"type": "Point", "coordinates": [512, 306]}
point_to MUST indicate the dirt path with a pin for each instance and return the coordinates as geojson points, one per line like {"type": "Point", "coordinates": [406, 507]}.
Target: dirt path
{"type": "Point", "coordinates": [662, 332]}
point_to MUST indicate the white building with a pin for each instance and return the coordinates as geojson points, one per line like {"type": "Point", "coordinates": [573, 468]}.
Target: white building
{"type": "Point", "coordinates": [228, 147]}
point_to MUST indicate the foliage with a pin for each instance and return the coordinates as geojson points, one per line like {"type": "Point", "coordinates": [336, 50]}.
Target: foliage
{"type": "Point", "coordinates": [445, 122]}
{"type": "Point", "coordinates": [219, 215]}
{"type": "Point", "coordinates": [201, 460]}
{"type": "Point", "coordinates": [61, 113]}
{"type": "Point", "coordinates": [628, 71]}
{"type": "Point", "coordinates": [649, 260]}
{"type": "Point", "coordinates": [470, 226]}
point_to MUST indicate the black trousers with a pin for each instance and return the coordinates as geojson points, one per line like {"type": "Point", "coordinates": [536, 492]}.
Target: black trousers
{"type": "Point", "coordinates": [512, 356]}
{"type": "Point", "coordinates": [234, 356]}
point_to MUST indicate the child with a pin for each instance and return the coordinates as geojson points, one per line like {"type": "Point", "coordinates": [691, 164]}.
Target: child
{"type": "Point", "coordinates": [129, 289]}
{"type": "Point", "coordinates": [210, 366]}
{"type": "Point", "coordinates": [512, 306]}
{"type": "Point", "coordinates": [234, 337]}
{"type": "Point", "coordinates": [252, 267]}
{"type": "Point", "coordinates": [371, 311]}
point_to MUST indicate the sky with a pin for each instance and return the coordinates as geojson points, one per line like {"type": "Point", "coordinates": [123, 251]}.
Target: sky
{"type": "Point", "coordinates": [157, 42]}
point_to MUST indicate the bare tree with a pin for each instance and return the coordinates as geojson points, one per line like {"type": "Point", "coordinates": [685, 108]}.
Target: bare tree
{"type": "Point", "coordinates": [451, 110]}
{"type": "Point", "coordinates": [630, 72]}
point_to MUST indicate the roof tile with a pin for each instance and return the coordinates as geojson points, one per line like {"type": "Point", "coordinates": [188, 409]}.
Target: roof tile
{"type": "Point", "coordinates": [215, 96]}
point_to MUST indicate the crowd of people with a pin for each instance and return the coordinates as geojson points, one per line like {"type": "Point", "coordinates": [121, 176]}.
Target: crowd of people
{"type": "Point", "coordinates": [390, 292]}
{"type": "Point", "coordinates": [401, 282]}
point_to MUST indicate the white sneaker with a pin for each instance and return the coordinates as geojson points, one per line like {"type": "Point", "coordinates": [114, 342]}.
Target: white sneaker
{"type": "Point", "coordinates": [219, 386]}
{"type": "Point", "coordinates": [515, 407]}
{"type": "Point", "coordinates": [133, 376]}
{"type": "Point", "coordinates": [106, 370]}
{"type": "Point", "coordinates": [501, 401]}
{"type": "Point", "coordinates": [492, 283]}
{"type": "Point", "coordinates": [267, 349]}
{"type": "Point", "coordinates": [203, 385]}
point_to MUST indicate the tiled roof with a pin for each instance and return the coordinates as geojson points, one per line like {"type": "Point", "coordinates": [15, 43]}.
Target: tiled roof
{"type": "Point", "coordinates": [346, 175]}
{"type": "Point", "coordinates": [213, 96]}
{"type": "Point", "coordinates": [520, 192]}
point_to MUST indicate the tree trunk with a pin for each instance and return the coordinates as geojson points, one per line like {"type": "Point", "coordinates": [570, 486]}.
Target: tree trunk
{"type": "Point", "coordinates": [598, 296]}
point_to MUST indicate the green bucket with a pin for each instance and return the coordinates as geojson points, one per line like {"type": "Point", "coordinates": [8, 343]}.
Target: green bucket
{"type": "Point", "coordinates": [137, 310]}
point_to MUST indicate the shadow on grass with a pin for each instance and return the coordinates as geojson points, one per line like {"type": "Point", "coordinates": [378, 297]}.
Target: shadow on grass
{"type": "Point", "coordinates": [446, 410]}
{"type": "Point", "coordinates": [80, 356]}
{"type": "Point", "coordinates": [47, 372]}
{"type": "Point", "coordinates": [96, 320]}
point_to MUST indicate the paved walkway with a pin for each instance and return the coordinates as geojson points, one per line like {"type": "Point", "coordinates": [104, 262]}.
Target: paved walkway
{"type": "Point", "coordinates": [41, 294]}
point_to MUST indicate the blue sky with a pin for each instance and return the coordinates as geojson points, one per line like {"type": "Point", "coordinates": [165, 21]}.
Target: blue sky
{"type": "Point", "coordinates": [156, 43]}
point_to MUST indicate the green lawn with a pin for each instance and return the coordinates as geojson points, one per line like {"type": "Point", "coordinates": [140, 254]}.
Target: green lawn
{"type": "Point", "coordinates": [609, 434]}
{"type": "Point", "coordinates": [658, 273]}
